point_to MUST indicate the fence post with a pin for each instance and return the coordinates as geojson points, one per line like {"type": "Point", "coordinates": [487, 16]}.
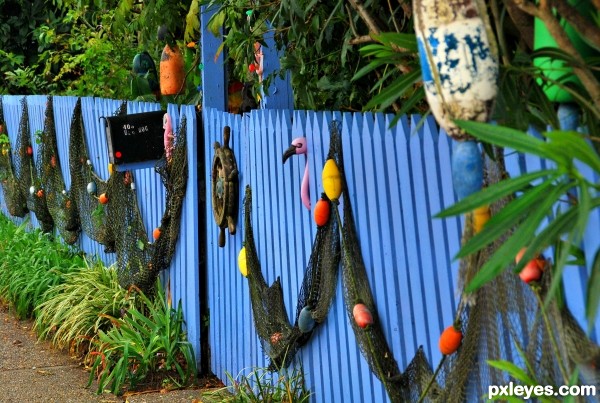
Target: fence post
{"type": "Point", "coordinates": [280, 95]}
{"type": "Point", "coordinates": [214, 74]}
{"type": "Point", "coordinates": [214, 88]}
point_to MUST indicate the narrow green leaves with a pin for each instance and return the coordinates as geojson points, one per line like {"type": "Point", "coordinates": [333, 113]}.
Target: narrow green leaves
{"type": "Point", "coordinates": [505, 137]}
{"type": "Point", "coordinates": [506, 219]}
{"type": "Point", "coordinates": [504, 256]}
{"type": "Point", "coordinates": [395, 90]}
{"type": "Point", "coordinates": [494, 193]}
{"type": "Point", "coordinates": [592, 301]}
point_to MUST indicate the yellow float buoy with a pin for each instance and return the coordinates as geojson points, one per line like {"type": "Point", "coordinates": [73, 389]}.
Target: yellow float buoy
{"type": "Point", "coordinates": [332, 180]}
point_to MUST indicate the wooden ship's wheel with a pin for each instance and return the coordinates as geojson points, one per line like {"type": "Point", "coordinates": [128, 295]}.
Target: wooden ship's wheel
{"type": "Point", "coordinates": [224, 187]}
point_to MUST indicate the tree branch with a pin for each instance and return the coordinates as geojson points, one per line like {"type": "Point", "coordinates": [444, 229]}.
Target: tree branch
{"type": "Point", "coordinates": [366, 17]}
{"type": "Point", "coordinates": [581, 24]}
{"type": "Point", "coordinates": [544, 13]}
{"type": "Point", "coordinates": [374, 29]}
{"type": "Point", "coordinates": [360, 40]}
{"type": "Point", "coordinates": [523, 22]}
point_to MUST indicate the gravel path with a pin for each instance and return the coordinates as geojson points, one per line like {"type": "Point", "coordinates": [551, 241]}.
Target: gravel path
{"type": "Point", "coordinates": [32, 371]}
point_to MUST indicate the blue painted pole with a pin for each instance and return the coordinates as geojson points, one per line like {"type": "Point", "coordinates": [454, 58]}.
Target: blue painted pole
{"type": "Point", "coordinates": [214, 77]}
{"type": "Point", "coordinates": [214, 85]}
{"type": "Point", "coordinates": [280, 95]}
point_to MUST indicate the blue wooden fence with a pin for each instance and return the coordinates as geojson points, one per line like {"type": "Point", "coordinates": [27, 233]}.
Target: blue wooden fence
{"type": "Point", "coordinates": [184, 272]}
{"type": "Point", "coordinates": [398, 179]}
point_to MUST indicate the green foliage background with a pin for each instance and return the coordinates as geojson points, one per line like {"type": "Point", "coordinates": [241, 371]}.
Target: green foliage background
{"type": "Point", "coordinates": [84, 48]}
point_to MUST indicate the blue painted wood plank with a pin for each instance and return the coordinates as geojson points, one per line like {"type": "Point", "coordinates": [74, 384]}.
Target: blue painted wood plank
{"type": "Point", "coordinates": [452, 226]}
{"type": "Point", "coordinates": [214, 90]}
{"type": "Point", "coordinates": [280, 94]}
{"type": "Point", "coordinates": [417, 328]}
{"type": "Point", "coordinates": [351, 143]}
{"type": "Point", "coordinates": [393, 176]}
{"type": "Point", "coordinates": [440, 275]}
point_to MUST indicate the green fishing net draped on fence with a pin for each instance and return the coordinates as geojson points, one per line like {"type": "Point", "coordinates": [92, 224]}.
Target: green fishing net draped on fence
{"type": "Point", "coordinates": [107, 211]}
{"type": "Point", "coordinates": [174, 176]}
{"type": "Point", "coordinates": [279, 338]}
{"type": "Point", "coordinates": [29, 174]}
{"type": "Point", "coordinates": [138, 261]}
{"type": "Point", "coordinates": [16, 203]}
{"type": "Point", "coordinates": [86, 185]}
{"type": "Point", "coordinates": [60, 206]}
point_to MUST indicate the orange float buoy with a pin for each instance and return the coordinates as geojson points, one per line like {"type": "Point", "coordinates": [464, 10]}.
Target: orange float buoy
{"type": "Point", "coordinates": [172, 71]}
{"type": "Point", "coordinates": [362, 315]}
{"type": "Point", "coordinates": [103, 199]}
{"type": "Point", "coordinates": [450, 340]}
{"type": "Point", "coordinates": [156, 233]}
{"type": "Point", "coordinates": [322, 212]}
{"type": "Point", "coordinates": [533, 269]}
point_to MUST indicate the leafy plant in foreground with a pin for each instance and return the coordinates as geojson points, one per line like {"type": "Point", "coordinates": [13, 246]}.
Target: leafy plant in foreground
{"type": "Point", "coordinates": [32, 264]}
{"type": "Point", "coordinates": [80, 306]}
{"type": "Point", "coordinates": [561, 192]}
{"type": "Point", "coordinates": [262, 385]}
{"type": "Point", "coordinates": [146, 344]}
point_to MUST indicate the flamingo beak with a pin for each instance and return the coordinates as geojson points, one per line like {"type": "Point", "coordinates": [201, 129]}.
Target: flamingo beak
{"type": "Point", "coordinates": [289, 152]}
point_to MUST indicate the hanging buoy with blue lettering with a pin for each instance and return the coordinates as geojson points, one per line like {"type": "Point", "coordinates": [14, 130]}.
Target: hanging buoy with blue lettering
{"type": "Point", "coordinates": [459, 61]}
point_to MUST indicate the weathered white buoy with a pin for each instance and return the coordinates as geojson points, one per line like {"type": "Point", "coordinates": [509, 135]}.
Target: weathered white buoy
{"type": "Point", "coordinates": [458, 61]}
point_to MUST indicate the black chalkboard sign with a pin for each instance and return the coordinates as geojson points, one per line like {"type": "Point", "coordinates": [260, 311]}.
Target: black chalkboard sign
{"type": "Point", "coordinates": [135, 138]}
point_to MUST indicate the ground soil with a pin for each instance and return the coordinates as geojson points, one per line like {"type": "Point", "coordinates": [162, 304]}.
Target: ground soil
{"type": "Point", "coordinates": [32, 371]}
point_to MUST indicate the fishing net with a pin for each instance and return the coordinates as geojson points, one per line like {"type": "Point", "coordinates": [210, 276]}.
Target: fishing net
{"type": "Point", "coordinates": [107, 211]}
{"type": "Point", "coordinates": [279, 339]}
{"type": "Point", "coordinates": [138, 261]}
{"type": "Point", "coordinates": [86, 185]}
{"type": "Point", "coordinates": [500, 321]}
{"type": "Point", "coordinates": [174, 176]}
{"type": "Point", "coordinates": [58, 199]}
{"type": "Point", "coordinates": [16, 203]}
{"type": "Point", "coordinates": [28, 175]}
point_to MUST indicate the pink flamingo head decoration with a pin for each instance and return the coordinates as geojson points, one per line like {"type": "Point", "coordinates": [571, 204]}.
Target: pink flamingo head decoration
{"type": "Point", "coordinates": [298, 147]}
{"type": "Point", "coordinates": [168, 136]}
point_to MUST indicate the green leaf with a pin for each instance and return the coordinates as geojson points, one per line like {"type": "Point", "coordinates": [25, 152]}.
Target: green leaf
{"type": "Point", "coordinates": [551, 235]}
{"type": "Point", "coordinates": [574, 143]}
{"type": "Point", "coordinates": [140, 244]}
{"type": "Point", "coordinates": [216, 22]}
{"type": "Point", "coordinates": [584, 207]}
{"type": "Point", "coordinates": [512, 370]}
{"type": "Point", "coordinates": [522, 236]}
{"type": "Point", "coordinates": [494, 192]}
{"type": "Point", "coordinates": [555, 54]}
{"type": "Point", "coordinates": [505, 137]}
{"type": "Point", "coordinates": [593, 292]}
{"type": "Point", "coordinates": [408, 105]}
{"type": "Point", "coordinates": [507, 218]}
{"type": "Point", "coordinates": [392, 92]}
{"type": "Point", "coordinates": [402, 40]}
{"type": "Point", "coordinates": [373, 65]}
